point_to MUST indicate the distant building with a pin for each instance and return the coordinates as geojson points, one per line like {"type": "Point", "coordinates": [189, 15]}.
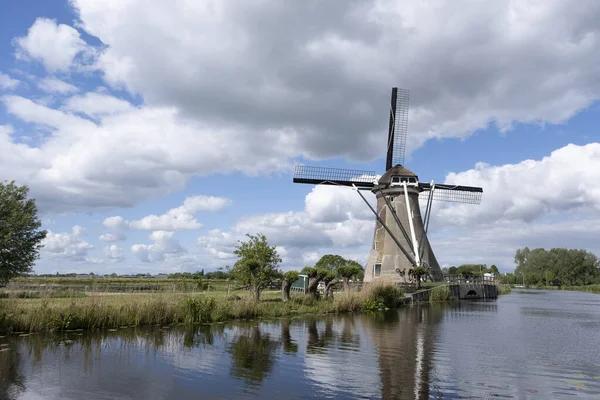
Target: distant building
{"type": "Point", "coordinates": [161, 276]}
{"type": "Point", "coordinates": [488, 276]}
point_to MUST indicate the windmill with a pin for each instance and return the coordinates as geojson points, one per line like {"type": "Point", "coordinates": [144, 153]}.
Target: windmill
{"type": "Point", "coordinates": [400, 239]}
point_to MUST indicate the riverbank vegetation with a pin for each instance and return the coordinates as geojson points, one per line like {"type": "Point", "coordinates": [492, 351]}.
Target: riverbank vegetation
{"type": "Point", "coordinates": [587, 288]}
{"type": "Point", "coordinates": [114, 311]}
{"type": "Point", "coordinates": [557, 267]}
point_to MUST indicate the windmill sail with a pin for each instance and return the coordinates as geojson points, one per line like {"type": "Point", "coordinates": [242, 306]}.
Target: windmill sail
{"type": "Point", "coordinates": [398, 127]}
{"type": "Point", "coordinates": [453, 193]}
{"type": "Point", "coordinates": [334, 176]}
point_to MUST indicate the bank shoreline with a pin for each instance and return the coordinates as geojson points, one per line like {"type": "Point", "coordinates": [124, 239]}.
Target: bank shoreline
{"type": "Point", "coordinates": [163, 309]}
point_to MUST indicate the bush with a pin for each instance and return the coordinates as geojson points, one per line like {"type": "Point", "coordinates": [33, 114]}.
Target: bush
{"type": "Point", "coordinates": [439, 294]}
{"type": "Point", "coordinates": [382, 295]}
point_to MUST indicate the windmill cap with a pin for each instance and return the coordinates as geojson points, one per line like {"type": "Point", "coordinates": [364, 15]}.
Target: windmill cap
{"type": "Point", "coordinates": [398, 170]}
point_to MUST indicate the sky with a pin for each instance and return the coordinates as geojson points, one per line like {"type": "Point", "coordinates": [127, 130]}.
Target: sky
{"type": "Point", "coordinates": [155, 135]}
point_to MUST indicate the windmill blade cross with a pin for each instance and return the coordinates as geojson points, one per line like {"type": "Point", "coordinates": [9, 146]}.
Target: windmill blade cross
{"type": "Point", "coordinates": [398, 127]}
{"type": "Point", "coordinates": [453, 193]}
{"type": "Point", "coordinates": [334, 176]}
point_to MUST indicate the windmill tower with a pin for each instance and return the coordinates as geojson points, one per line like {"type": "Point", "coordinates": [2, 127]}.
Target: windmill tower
{"type": "Point", "coordinates": [400, 239]}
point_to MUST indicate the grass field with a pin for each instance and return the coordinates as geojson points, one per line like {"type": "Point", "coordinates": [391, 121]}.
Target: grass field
{"type": "Point", "coordinates": [46, 310]}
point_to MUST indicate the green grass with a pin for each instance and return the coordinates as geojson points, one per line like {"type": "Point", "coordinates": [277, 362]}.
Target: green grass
{"type": "Point", "coordinates": [111, 285]}
{"type": "Point", "coordinates": [503, 289]}
{"type": "Point", "coordinates": [118, 310]}
{"type": "Point", "coordinates": [586, 288]}
{"type": "Point", "coordinates": [439, 294]}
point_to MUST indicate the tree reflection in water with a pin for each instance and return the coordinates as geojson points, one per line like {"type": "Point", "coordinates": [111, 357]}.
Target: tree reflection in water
{"type": "Point", "coordinates": [252, 355]}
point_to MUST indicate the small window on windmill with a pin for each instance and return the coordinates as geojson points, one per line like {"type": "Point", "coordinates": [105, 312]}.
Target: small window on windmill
{"type": "Point", "coordinates": [412, 180]}
{"type": "Point", "coordinates": [395, 179]}
{"type": "Point", "coordinates": [377, 269]}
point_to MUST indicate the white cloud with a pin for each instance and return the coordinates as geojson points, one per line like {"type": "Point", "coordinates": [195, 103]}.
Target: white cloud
{"type": "Point", "coordinates": [144, 153]}
{"type": "Point", "coordinates": [55, 45]}
{"type": "Point", "coordinates": [552, 202]}
{"type": "Point", "coordinates": [180, 218]}
{"type": "Point", "coordinates": [312, 90]}
{"type": "Point", "coordinates": [112, 237]}
{"type": "Point", "coordinates": [96, 105]}
{"type": "Point", "coordinates": [55, 85]}
{"type": "Point", "coordinates": [113, 253]}
{"type": "Point", "coordinates": [327, 74]}
{"type": "Point", "coordinates": [116, 222]}
{"type": "Point", "coordinates": [70, 246]}
{"type": "Point", "coordinates": [116, 226]}
{"type": "Point", "coordinates": [298, 233]}
{"type": "Point", "coordinates": [8, 83]}
{"type": "Point", "coordinates": [164, 246]}
{"type": "Point", "coordinates": [566, 180]}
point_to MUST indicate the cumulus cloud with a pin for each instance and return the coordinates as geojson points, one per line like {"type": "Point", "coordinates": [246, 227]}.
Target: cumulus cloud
{"type": "Point", "coordinates": [326, 70]}
{"type": "Point", "coordinates": [176, 219]}
{"type": "Point", "coordinates": [8, 83]}
{"type": "Point", "coordinates": [96, 105]}
{"type": "Point", "coordinates": [315, 89]}
{"type": "Point", "coordinates": [54, 45]}
{"type": "Point", "coordinates": [164, 246]}
{"type": "Point", "coordinates": [116, 226]}
{"type": "Point", "coordinates": [70, 246]}
{"type": "Point", "coordinates": [298, 233]}
{"type": "Point", "coordinates": [538, 203]}
{"type": "Point", "coordinates": [564, 181]}
{"type": "Point", "coordinates": [113, 253]}
{"type": "Point", "coordinates": [112, 237]}
{"type": "Point", "coordinates": [143, 152]}
{"type": "Point", "coordinates": [55, 85]}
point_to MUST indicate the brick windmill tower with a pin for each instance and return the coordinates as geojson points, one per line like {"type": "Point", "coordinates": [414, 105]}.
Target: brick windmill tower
{"type": "Point", "coordinates": [400, 239]}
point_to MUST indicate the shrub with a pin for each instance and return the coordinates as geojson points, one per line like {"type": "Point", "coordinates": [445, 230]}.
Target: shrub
{"type": "Point", "coordinates": [381, 295]}
{"type": "Point", "coordinates": [439, 294]}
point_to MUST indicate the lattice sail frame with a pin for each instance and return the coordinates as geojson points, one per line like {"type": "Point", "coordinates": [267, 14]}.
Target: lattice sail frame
{"type": "Point", "coordinates": [452, 193]}
{"type": "Point", "coordinates": [398, 127]}
{"type": "Point", "coordinates": [334, 176]}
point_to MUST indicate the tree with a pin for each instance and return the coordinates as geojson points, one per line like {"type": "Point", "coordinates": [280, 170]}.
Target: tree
{"type": "Point", "coordinates": [494, 270]}
{"type": "Point", "coordinates": [20, 237]}
{"type": "Point", "coordinates": [257, 265]}
{"type": "Point", "coordinates": [350, 270]}
{"type": "Point", "coordinates": [330, 279]}
{"type": "Point", "coordinates": [416, 273]}
{"type": "Point", "coordinates": [315, 276]}
{"type": "Point", "coordinates": [286, 283]}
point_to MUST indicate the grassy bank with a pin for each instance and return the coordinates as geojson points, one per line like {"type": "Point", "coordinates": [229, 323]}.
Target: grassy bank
{"type": "Point", "coordinates": [587, 288]}
{"type": "Point", "coordinates": [503, 289]}
{"type": "Point", "coordinates": [119, 310]}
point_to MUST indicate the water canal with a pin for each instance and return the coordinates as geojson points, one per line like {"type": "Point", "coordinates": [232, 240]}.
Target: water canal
{"type": "Point", "coordinates": [529, 344]}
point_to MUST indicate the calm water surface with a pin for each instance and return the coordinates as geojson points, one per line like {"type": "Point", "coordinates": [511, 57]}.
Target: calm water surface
{"type": "Point", "coordinates": [526, 345]}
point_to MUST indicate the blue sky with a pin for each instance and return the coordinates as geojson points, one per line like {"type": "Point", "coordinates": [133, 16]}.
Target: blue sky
{"type": "Point", "coordinates": [105, 114]}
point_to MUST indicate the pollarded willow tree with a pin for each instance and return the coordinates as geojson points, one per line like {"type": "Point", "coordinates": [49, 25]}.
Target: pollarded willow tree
{"type": "Point", "coordinates": [257, 265]}
{"type": "Point", "coordinates": [20, 237]}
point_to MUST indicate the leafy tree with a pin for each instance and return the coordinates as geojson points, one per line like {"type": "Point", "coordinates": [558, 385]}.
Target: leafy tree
{"type": "Point", "coordinates": [495, 270]}
{"type": "Point", "coordinates": [257, 265]}
{"type": "Point", "coordinates": [417, 273]}
{"type": "Point", "coordinates": [315, 275]}
{"type": "Point", "coordinates": [286, 283]}
{"type": "Point", "coordinates": [330, 262]}
{"type": "Point", "coordinates": [350, 270]}
{"type": "Point", "coordinates": [453, 270]}
{"type": "Point", "coordinates": [559, 265]}
{"type": "Point", "coordinates": [20, 237]}
{"type": "Point", "coordinates": [330, 279]}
